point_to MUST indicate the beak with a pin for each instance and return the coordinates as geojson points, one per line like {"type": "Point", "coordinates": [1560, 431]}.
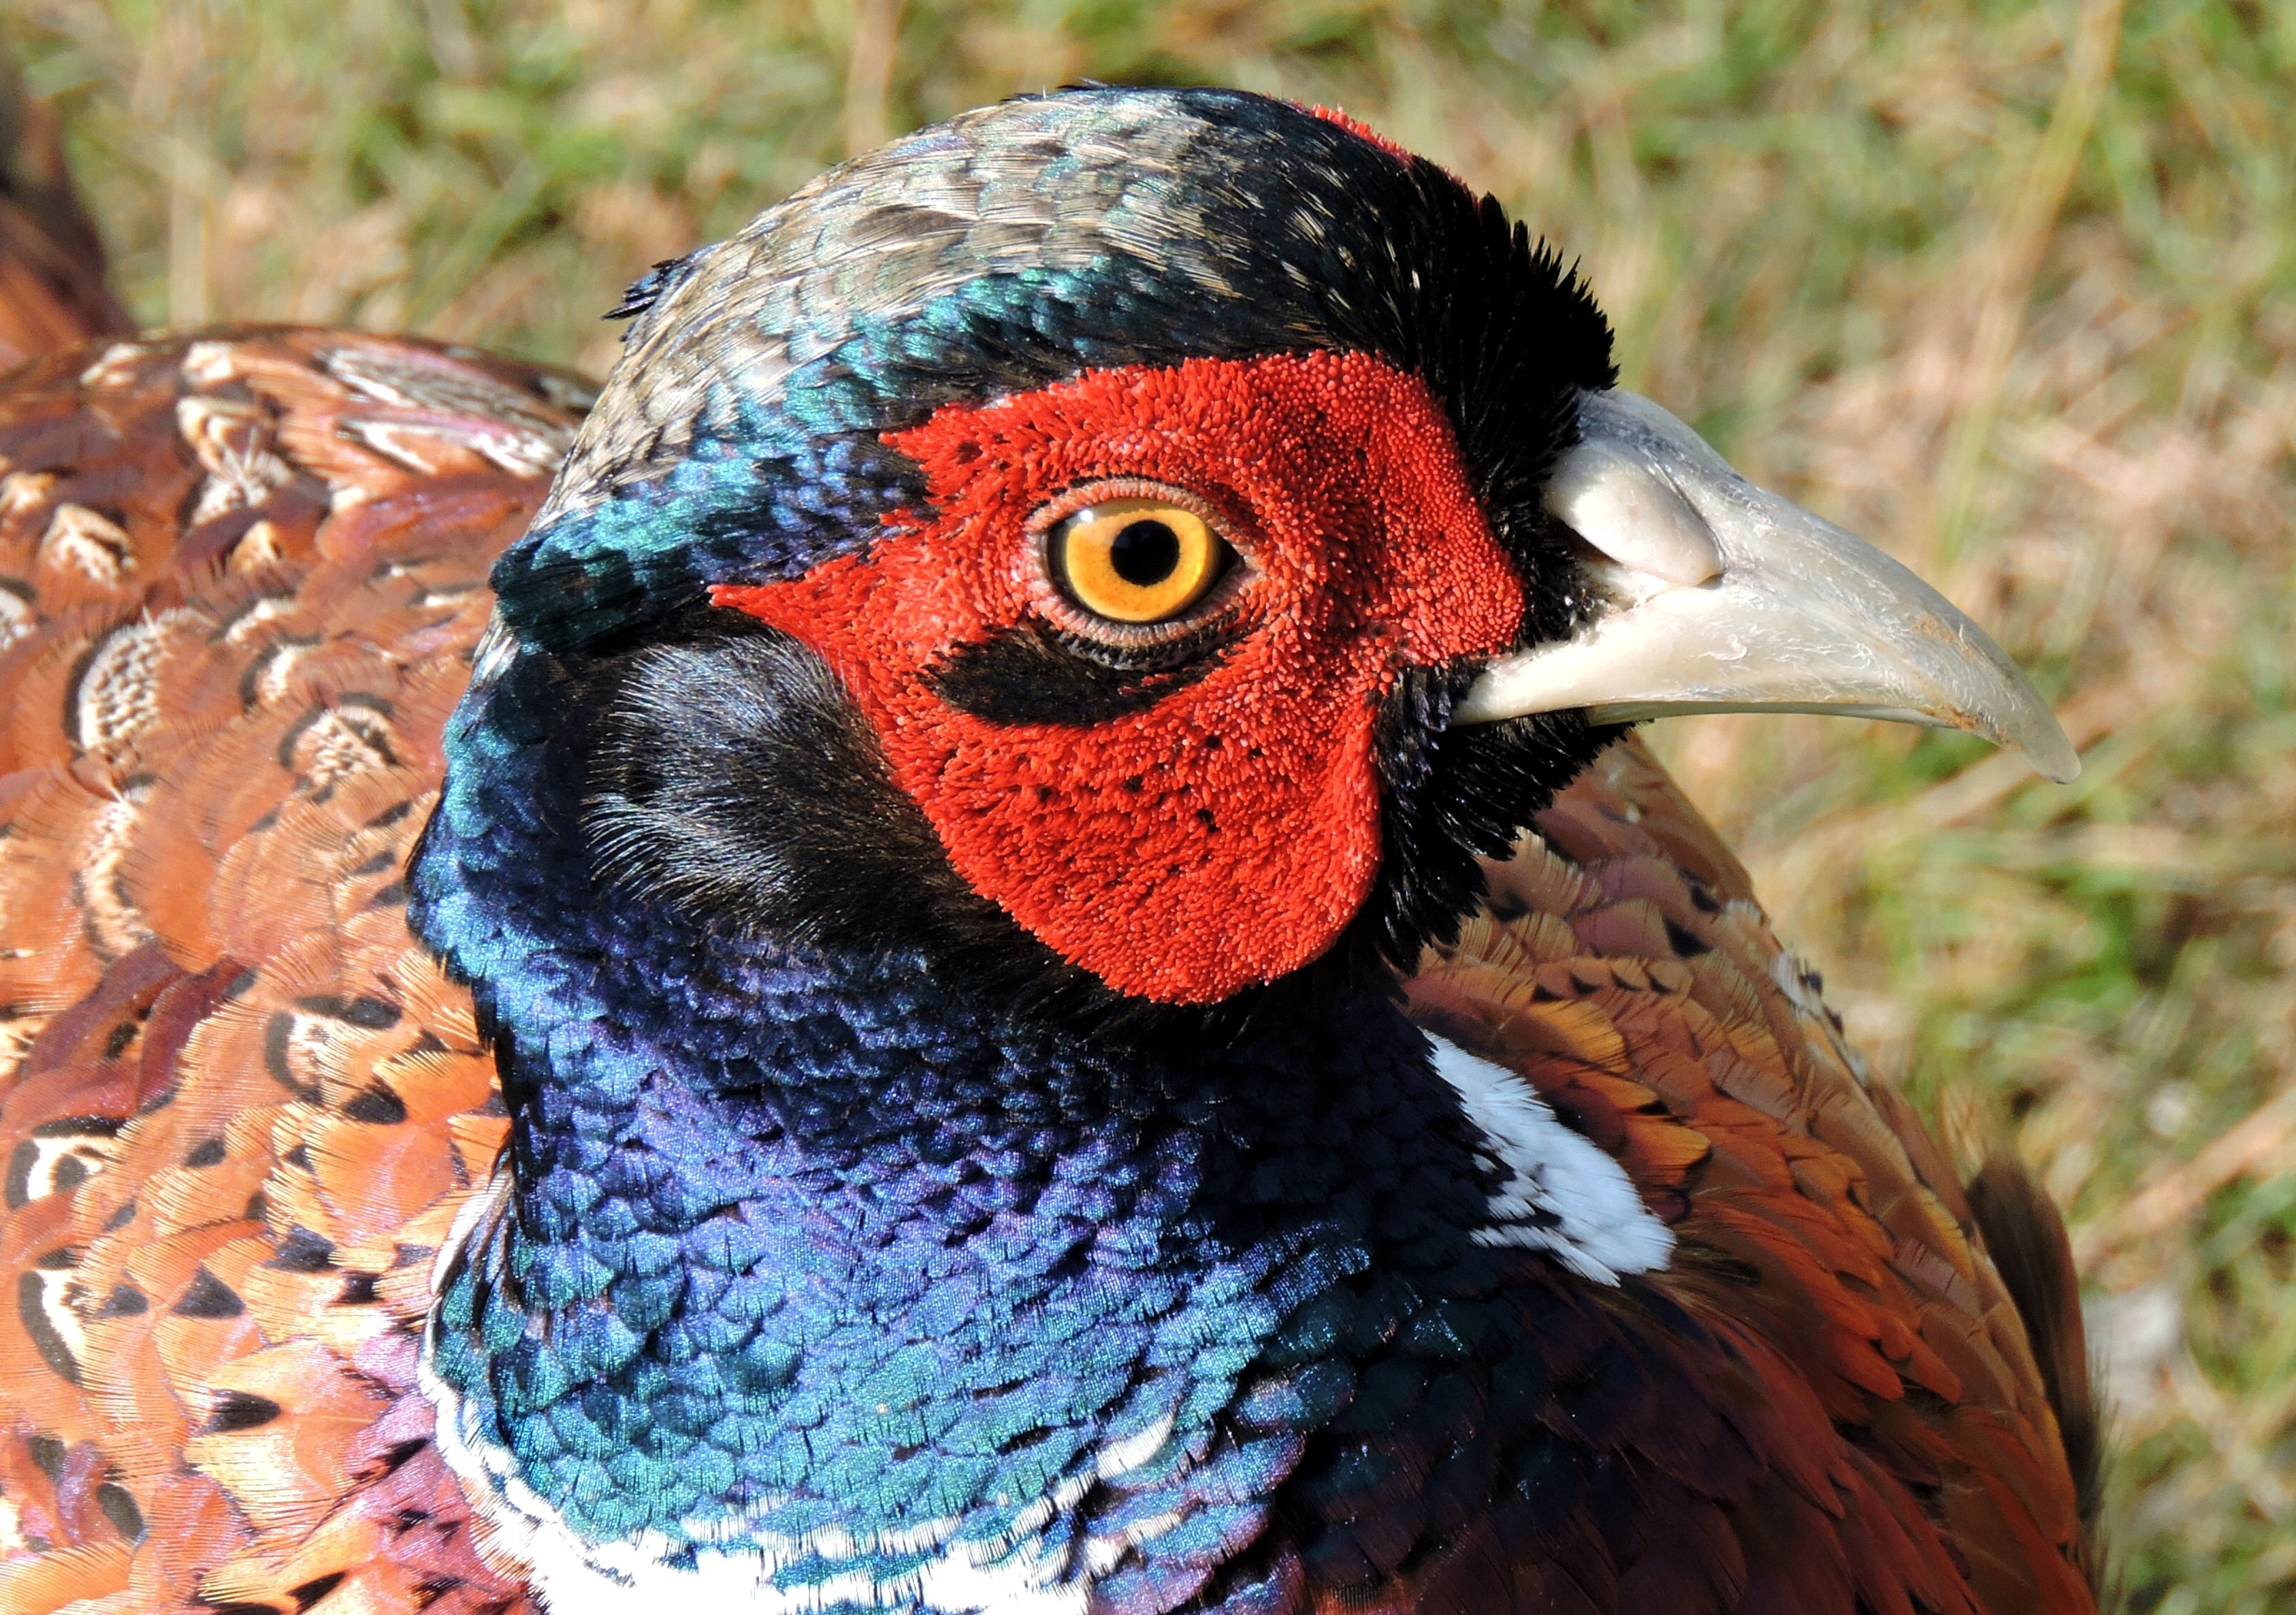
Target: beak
{"type": "Point", "coordinates": [1723, 597]}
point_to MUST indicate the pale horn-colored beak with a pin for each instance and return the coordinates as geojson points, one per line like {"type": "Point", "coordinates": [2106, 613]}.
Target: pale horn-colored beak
{"type": "Point", "coordinates": [1723, 597]}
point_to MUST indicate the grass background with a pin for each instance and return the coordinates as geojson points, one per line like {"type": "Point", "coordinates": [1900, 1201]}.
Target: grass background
{"type": "Point", "coordinates": [2009, 289]}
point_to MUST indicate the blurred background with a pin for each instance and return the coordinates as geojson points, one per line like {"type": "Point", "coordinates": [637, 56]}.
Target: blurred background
{"type": "Point", "coordinates": [2011, 289]}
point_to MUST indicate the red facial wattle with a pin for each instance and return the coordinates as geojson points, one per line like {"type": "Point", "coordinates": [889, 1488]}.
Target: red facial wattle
{"type": "Point", "coordinates": [1225, 834]}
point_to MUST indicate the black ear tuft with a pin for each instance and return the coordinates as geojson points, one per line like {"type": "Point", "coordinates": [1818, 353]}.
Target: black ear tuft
{"type": "Point", "coordinates": [649, 288]}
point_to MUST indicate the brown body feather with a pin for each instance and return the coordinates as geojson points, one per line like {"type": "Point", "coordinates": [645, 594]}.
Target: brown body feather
{"type": "Point", "coordinates": [243, 578]}
{"type": "Point", "coordinates": [240, 1105]}
{"type": "Point", "coordinates": [1625, 971]}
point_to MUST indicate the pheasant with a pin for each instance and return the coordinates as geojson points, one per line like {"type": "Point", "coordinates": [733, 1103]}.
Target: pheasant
{"type": "Point", "coordinates": [993, 941]}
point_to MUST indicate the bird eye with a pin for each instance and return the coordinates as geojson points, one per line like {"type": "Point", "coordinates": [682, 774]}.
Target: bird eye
{"type": "Point", "coordinates": [1135, 559]}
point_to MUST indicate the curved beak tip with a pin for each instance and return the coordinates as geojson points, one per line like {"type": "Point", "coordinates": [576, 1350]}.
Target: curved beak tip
{"type": "Point", "coordinates": [1727, 598]}
{"type": "Point", "coordinates": [2050, 750]}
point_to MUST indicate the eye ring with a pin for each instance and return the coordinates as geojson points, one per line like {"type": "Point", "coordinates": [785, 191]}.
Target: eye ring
{"type": "Point", "coordinates": [1132, 563]}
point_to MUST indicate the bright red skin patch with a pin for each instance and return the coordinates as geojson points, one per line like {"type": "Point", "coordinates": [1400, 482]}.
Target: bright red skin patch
{"type": "Point", "coordinates": [1225, 835]}
{"type": "Point", "coordinates": [1357, 126]}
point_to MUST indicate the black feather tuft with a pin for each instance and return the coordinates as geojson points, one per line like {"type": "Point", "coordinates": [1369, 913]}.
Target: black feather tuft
{"type": "Point", "coordinates": [649, 288]}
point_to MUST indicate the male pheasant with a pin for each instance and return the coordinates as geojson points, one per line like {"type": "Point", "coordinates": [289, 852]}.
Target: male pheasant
{"type": "Point", "coordinates": [1009, 957]}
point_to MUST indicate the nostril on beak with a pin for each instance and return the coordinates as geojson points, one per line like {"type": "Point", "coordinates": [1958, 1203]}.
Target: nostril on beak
{"type": "Point", "coordinates": [1631, 510]}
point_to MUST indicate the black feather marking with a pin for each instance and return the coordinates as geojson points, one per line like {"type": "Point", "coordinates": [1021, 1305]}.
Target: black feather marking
{"type": "Point", "coordinates": [303, 1252]}
{"type": "Point", "coordinates": [278, 1042]}
{"type": "Point", "coordinates": [32, 1311]}
{"type": "Point", "coordinates": [119, 1507]}
{"type": "Point", "coordinates": [67, 1175]}
{"type": "Point", "coordinates": [208, 1297]}
{"type": "Point", "coordinates": [376, 1105]}
{"type": "Point", "coordinates": [396, 1458]}
{"type": "Point", "coordinates": [649, 288]}
{"type": "Point", "coordinates": [17, 1191]}
{"type": "Point", "coordinates": [313, 1590]}
{"type": "Point", "coordinates": [239, 1410]}
{"type": "Point", "coordinates": [367, 1013]}
{"type": "Point", "coordinates": [1033, 675]}
{"type": "Point", "coordinates": [1685, 942]}
{"type": "Point", "coordinates": [78, 1127]}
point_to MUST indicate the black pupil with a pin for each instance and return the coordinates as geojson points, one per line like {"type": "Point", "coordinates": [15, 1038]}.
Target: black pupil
{"type": "Point", "coordinates": [1145, 553]}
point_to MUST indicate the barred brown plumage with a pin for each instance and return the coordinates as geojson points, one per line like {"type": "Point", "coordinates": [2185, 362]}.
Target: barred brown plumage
{"type": "Point", "coordinates": [240, 1100]}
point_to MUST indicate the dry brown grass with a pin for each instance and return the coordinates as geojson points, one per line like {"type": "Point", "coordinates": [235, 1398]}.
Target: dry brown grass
{"type": "Point", "coordinates": [2007, 289]}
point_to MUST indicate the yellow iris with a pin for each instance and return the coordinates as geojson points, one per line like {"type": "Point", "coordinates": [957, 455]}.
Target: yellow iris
{"type": "Point", "coordinates": [1136, 561]}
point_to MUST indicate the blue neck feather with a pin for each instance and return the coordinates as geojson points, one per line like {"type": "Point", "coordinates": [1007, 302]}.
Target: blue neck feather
{"type": "Point", "coordinates": [803, 1242]}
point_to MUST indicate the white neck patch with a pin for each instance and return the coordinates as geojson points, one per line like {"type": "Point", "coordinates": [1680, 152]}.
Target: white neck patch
{"type": "Point", "coordinates": [1563, 1194]}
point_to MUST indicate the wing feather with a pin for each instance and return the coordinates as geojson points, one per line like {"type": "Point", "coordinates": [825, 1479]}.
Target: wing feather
{"type": "Point", "coordinates": [250, 573]}
{"type": "Point", "coordinates": [1906, 1458]}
